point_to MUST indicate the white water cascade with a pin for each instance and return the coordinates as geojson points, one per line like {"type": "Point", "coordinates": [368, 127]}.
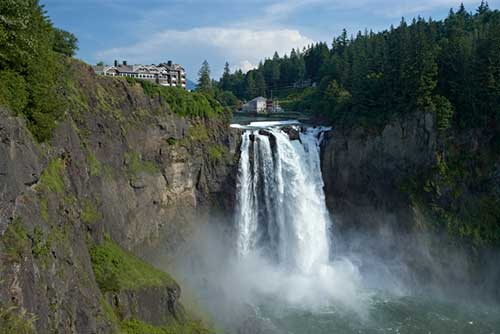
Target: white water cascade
{"type": "Point", "coordinates": [281, 211]}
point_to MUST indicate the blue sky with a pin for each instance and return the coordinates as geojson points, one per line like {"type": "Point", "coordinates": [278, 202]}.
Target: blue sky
{"type": "Point", "coordinates": [241, 32]}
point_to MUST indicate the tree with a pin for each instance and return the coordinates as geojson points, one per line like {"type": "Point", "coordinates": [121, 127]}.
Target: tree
{"type": "Point", "coordinates": [65, 42]}
{"type": "Point", "coordinates": [204, 81]}
{"type": "Point", "coordinates": [225, 83]}
{"type": "Point", "coordinates": [250, 89]}
{"type": "Point", "coordinates": [483, 7]}
{"type": "Point", "coordinates": [260, 84]}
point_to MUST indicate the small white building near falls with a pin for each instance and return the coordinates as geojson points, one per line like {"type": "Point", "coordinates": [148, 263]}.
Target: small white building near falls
{"type": "Point", "coordinates": [257, 105]}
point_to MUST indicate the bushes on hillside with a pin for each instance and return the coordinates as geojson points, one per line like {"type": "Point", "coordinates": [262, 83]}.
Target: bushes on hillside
{"type": "Point", "coordinates": [181, 101]}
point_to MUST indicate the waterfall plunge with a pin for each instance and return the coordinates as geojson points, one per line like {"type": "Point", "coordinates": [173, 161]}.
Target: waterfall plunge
{"type": "Point", "coordinates": [281, 210]}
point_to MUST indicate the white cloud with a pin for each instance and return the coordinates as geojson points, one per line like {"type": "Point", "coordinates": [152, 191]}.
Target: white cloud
{"type": "Point", "coordinates": [245, 66]}
{"type": "Point", "coordinates": [242, 46]}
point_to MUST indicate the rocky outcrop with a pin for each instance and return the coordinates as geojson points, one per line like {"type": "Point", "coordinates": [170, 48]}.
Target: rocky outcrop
{"type": "Point", "coordinates": [363, 171]}
{"type": "Point", "coordinates": [122, 164]}
{"type": "Point", "coordinates": [155, 306]}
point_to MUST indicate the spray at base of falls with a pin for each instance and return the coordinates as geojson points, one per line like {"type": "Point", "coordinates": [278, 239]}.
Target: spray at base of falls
{"type": "Point", "coordinates": [282, 220]}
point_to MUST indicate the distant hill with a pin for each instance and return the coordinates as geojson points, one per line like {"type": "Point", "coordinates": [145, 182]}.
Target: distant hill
{"type": "Point", "coordinates": [190, 85]}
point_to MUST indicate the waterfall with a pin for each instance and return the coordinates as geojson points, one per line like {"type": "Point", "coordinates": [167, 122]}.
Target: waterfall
{"type": "Point", "coordinates": [281, 212]}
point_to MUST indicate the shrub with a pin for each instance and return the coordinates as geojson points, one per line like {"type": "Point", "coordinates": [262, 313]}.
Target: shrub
{"type": "Point", "coordinates": [15, 240]}
{"type": "Point", "coordinates": [182, 102]}
{"type": "Point", "coordinates": [51, 179]}
{"type": "Point", "coordinates": [13, 93]}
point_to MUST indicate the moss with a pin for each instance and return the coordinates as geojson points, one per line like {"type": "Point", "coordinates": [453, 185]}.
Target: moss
{"type": "Point", "coordinates": [14, 321]}
{"type": "Point", "coordinates": [107, 172]}
{"type": "Point", "coordinates": [136, 165]}
{"type": "Point", "coordinates": [90, 214]}
{"type": "Point", "coordinates": [44, 209]}
{"type": "Point", "coordinates": [15, 240]}
{"type": "Point", "coordinates": [134, 326]}
{"type": "Point", "coordinates": [217, 153]}
{"type": "Point", "coordinates": [198, 132]}
{"type": "Point", "coordinates": [40, 246]}
{"type": "Point", "coordinates": [51, 179]}
{"type": "Point", "coordinates": [94, 164]}
{"type": "Point", "coordinates": [116, 269]}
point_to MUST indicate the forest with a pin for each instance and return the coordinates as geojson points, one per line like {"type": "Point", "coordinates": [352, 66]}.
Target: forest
{"type": "Point", "coordinates": [451, 67]}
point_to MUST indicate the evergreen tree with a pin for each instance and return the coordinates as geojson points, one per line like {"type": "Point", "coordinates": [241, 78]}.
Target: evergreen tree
{"type": "Point", "coordinates": [204, 81]}
{"type": "Point", "coordinates": [225, 83]}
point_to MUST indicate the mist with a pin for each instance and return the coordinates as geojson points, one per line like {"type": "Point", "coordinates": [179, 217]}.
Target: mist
{"type": "Point", "coordinates": [363, 269]}
{"type": "Point", "coordinates": [282, 263]}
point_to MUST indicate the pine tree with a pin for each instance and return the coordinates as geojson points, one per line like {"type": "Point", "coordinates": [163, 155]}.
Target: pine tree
{"type": "Point", "coordinates": [225, 83]}
{"type": "Point", "coordinates": [204, 81]}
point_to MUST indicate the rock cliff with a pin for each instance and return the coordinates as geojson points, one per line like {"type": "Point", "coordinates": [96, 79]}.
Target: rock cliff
{"type": "Point", "coordinates": [364, 169]}
{"type": "Point", "coordinates": [123, 168]}
{"type": "Point", "coordinates": [417, 199]}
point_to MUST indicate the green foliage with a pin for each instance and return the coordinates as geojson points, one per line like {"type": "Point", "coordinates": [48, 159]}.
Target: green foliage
{"type": "Point", "coordinates": [217, 153]}
{"type": "Point", "coordinates": [182, 102]}
{"type": "Point", "coordinates": [450, 66]}
{"type": "Point", "coordinates": [51, 179]}
{"type": "Point", "coordinates": [198, 132]}
{"type": "Point", "coordinates": [13, 91]}
{"type": "Point", "coordinates": [14, 321]}
{"type": "Point", "coordinates": [44, 208]}
{"type": "Point", "coordinates": [40, 245]}
{"type": "Point", "coordinates": [90, 214]}
{"type": "Point", "coordinates": [135, 165]}
{"type": "Point", "coordinates": [134, 326]}
{"type": "Point", "coordinates": [204, 81]}
{"type": "Point", "coordinates": [26, 49]}
{"type": "Point", "coordinates": [444, 113]}
{"type": "Point", "coordinates": [15, 241]}
{"type": "Point", "coordinates": [65, 42]}
{"type": "Point", "coordinates": [116, 269]}
{"type": "Point", "coordinates": [171, 141]}
{"type": "Point", "coordinates": [226, 99]}
{"type": "Point", "coordinates": [458, 194]}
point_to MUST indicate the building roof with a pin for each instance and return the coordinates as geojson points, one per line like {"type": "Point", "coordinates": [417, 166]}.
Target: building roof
{"type": "Point", "coordinates": [259, 98]}
{"type": "Point", "coordinates": [124, 69]}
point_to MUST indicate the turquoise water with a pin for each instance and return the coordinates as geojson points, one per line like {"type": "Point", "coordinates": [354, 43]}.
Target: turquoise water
{"type": "Point", "coordinates": [383, 315]}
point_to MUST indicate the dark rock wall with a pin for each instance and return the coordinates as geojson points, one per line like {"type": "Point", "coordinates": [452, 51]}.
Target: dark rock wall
{"type": "Point", "coordinates": [363, 171]}
{"type": "Point", "coordinates": [119, 163]}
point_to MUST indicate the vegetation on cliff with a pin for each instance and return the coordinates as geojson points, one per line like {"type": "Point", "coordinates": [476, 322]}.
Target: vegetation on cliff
{"type": "Point", "coordinates": [15, 321]}
{"type": "Point", "coordinates": [116, 270]}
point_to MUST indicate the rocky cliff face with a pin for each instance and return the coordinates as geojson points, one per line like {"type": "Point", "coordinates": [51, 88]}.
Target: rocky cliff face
{"type": "Point", "coordinates": [415, 199]}
{"type": "Point", "coordinates": [120, 164]}
{"type": "Point", "coordinates": [363, 171]}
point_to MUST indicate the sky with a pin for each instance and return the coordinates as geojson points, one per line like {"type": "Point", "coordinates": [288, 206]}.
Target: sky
{"type": "Point", "coordinates": [241, 32]}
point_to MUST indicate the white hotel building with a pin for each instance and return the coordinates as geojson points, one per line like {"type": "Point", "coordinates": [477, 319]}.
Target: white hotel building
{"type": "Point", "coordinates": [165, 74]}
